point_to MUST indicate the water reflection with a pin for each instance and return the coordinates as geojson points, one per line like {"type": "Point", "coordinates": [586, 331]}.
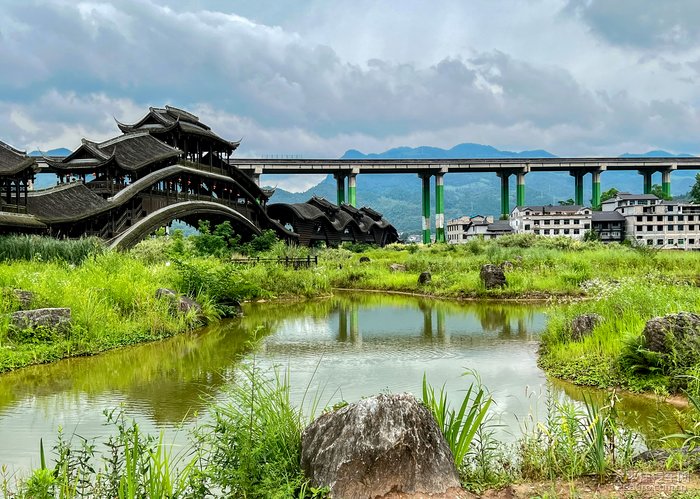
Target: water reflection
{"type": "Point", "coordinates": [352, 345]}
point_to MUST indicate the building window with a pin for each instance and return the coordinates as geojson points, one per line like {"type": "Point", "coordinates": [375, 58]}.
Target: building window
{"type": "Point", "coordinates": [649, 241]}
{"type": "Point", "coordinates": [650, 218]}
{"type": "Point", "coordinates": [639, 218]}
{"type": "Point", "coordinates": [670, 227]}
{"type": "Point", "coordinates": [679, 218]}
{"type": "Point", "coordinates": [660, 228]}
{"type": "Point", "coordinates": [527, 226]}
{"type": "Point", "coordinates": [556, 222]}
{"type": "Point", "coordinates": [691, 227]}
{"type": "Point", "coordinates": [670, 241]}
{"type": "Point", "coordinates": [659, 242]}
{"type": "Point", "coordinates": [587, 226]}
{"type": "Point", "coordinates": [679, 228]}
{"type": "Point", "coordinates": [659, 218]}
{"type": "Point", "coordinates": [681, 242]}
{"type": "Point", "coordinates": [556, 232]}
{"type": "Point", "coordinates": [546, 222]}
{"type": "Point", "coordinates": [537, 232]}
{"type": "Point", "coordinates": [566, 231]}
{"type": "Point", "coordinates": [576, 231]}
{"type": "Point", "coordinates": [615, 234]}
{"type": "Point", "coordinates": [691, 241]}
{"type": "Point", "coordinates": [546, 231]}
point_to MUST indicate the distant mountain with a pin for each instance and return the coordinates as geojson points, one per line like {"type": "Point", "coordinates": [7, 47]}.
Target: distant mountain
{"type": "Point", "coordinates": [61, 151]}
{"type": "Point", "coordinates": [398, 196]}
{"type": "Point", "coordinates": [466, 150]}
{"type": "Point", "coordinates": [655, 154]}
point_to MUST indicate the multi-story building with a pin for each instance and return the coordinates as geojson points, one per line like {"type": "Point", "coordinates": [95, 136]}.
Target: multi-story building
{"type": "Point", "coordinates": [460, 230]}
{"type": "Point", "coordinates": [665, 225]}
{"type": "Point", "coordinates": [609, 226]}
{"type": "Point", "coordinates": [564, 220]}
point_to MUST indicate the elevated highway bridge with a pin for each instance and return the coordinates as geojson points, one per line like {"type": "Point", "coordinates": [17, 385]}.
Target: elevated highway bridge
{"type": "Point", "coordinates": [345, 172]}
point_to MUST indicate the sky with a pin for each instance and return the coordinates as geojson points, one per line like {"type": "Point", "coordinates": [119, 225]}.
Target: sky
{"type": "Point", "coordinates": [314, 78]}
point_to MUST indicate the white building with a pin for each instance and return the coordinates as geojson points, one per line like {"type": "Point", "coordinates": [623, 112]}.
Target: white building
{"type": "Point", "coordinates": [463, 229]}
{"type": "Point", "coordinates": [564, 220]}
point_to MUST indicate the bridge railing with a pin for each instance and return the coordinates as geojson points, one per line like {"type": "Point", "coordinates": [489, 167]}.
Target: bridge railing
{"type": "Point", "coordinates": [295, 263]}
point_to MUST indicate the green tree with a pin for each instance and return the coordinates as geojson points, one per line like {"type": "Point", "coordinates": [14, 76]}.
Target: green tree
{"type": "Point", "coordinates": [694, 193]}
{"type": "Point", "coordinates": [658, 191]}
{"type": "Point", "coordinates": [609, 194]}
{"type": "Point", "coordinates": [568, 202]}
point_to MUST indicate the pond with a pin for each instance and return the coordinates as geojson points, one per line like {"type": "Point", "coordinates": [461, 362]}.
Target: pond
{"type": "Point", "coordinates": [340, 348]}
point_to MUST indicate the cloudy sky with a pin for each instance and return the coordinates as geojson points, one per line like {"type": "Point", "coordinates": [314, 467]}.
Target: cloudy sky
{"type": "Point", "coordinates": [317, 77]}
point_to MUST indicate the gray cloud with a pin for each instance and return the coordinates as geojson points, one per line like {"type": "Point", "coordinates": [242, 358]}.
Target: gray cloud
{"type": "Point", "coordinates": [644, 24]}
{"type": "Point", "coordinates": [74, 65]}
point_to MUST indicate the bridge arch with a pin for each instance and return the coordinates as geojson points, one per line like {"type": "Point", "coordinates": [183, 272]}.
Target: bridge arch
{"type": "Point", "coordinates": [189, 211]}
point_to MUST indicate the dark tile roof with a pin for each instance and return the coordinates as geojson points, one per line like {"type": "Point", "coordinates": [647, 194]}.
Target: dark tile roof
{"type": "Point", "coordinates": [13, 161]}
{"type": "Point", "coordinates": [608, 216]}
{"type": "Point", "coordinates": [64, 203]}
{"type": "Point", "coordinates": [628, 196]}
{"type": "Point", "coordinates": [568, 208]}
{"type": "Point", "coordinates": [130, 152]}
{"type": "Point", "coordinates": [20, 220]}
{"type": "Point", "coordinates": [499, 226]}
{"type": "Point", "coordinates": [164, 120]}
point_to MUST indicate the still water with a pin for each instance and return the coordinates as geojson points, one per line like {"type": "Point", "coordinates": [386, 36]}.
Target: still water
{"type": "Point", "coordinates": [339, 348]}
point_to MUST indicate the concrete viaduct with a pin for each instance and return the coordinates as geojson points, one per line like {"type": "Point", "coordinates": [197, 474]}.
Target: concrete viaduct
{"type": "Point", "coordinates": [343, 169]}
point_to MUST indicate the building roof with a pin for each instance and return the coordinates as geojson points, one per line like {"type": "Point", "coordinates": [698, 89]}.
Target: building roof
{"type": "Point", "coordinates": [20, 220]}
{"type": "Point", "coordinates": [13, 161]}
{"type": "Point", "coordinates": [626, 196]}
{"type": "Point", "coordinates": [607, 216]}
{"type": "Point", "coordinates": [65, 202]}
{"type": "Point", "coordinates": [566, 208]}
{"type": "Point", "coordinates": [165, 120]}
{"type": "Point", "coordinates": [130, 152]}
{"type": "Point", "coordinates": [499, 226]}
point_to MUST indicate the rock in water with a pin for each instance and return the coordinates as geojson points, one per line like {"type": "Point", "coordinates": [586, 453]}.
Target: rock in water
{"type": "Point", "coordinates": [382, 444]}
{"type": "Point", "coordinates": [583, 325]}
{"type": "Point", "coordinates": [492, 276]}
{"type": "Point", "coordinates": [424, 278]}
{"type": "Point", "coordinates": [55, 320]}
{"type": "Point", "coordinates": [673, 331]}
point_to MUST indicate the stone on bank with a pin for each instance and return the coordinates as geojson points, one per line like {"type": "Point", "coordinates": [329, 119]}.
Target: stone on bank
{"type": "Point", "coordinates": [379, 445]}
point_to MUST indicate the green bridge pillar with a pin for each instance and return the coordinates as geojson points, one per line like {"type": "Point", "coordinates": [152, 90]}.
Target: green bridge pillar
{"type": "Point", "coordinates": [439, 208]}
{"type": "Point", "coordinates": [340, 181]}
{"type": "Point", "coordinates": [505, 193]}
{"type": "Point", "coordinates": [520, 192]}
{"type": "Point", "coordinates": [425, 177]}
{"type": "Point", "coordinates": [595, 190]}
{"type": "Point", "coordinates": [647, 174]}
{"type": "Point", "coordinates": [352, 189]}
{"type": "Point", "coordinates": [666, 182]}
{"type": "Point", "coordinates": [578, 186]}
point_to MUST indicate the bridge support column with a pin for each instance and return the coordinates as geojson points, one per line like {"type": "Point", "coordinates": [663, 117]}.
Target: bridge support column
{"type": "Point", "coordinates": [439, 208]}
{"type": "Point", "coordinates": [520, 192]}
{"type": "Point", "coordinates": [666, 181]}
{"type": "Point", "coordinates": [647, 180]}
{"type": "Point", "coordinates": [505, 193]}
{"type": "Point", "coordinates": [425, 177]}
{"type": "Point", "coordinates": [256, 175]}
{"type": "Point", "coordinates": [352, 189]}
{"type": "Point", "coordinates": [595, 190]}
{"type": "Point", "coordinates": [578, 186]}
{"type": "Point", "coordinates": [340, 181]}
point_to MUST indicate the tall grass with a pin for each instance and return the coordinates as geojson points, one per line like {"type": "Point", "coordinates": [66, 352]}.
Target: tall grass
{"type": "Point", "coordinates": [26, 247]}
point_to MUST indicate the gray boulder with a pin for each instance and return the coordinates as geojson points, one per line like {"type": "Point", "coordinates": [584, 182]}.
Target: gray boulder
{"type": "Point", "coordinates": [397, 267]}
{"type": "Point", "coordinates": [364, 259]}
{"type": "Point", "coordinates": [424, 278]}
{"type": "Point", "coordinates": [24, 297]}
{"type": "Point", "coordinates": [179, 303]}
{"type": "Point", "coordinates": [52, 321]}
{"type": "Point", "coordinates": [583, 325]}
{"type": "Point", "coordinates": [380, 445]}
{"type": "Point", "coordinates": [679, 331]}
{"type": "Point", "coordinates": [492, 276]}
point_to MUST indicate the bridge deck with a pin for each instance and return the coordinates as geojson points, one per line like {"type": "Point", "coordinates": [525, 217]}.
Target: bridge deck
{"type": "Point", "coordinates": [495, 165]}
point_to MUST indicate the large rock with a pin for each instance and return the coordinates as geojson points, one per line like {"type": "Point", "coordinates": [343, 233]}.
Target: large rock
{"type": "Point", "coordinates": [397, 267]}
{"type": "Point", "coordinates": [51, 322]}
{"type": "Point", "coordinates": [424, 278]}
{"type": "Point", "coordinates": [24, 297]}
{"type": "Point", "coordinates": [180, 303]}
{"type": "Point", "coordinates": [583, 325]}
{"type": "Point", "coordinates": [492, 276]}
{"type": "Point", "coordinates": [678, 332]}
{"type": "Point", "coordinates": [364, 259]}
{"type": "Point", "coordinates": [382, 444]}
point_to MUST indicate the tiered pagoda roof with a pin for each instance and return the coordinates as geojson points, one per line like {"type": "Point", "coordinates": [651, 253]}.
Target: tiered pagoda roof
{"type": "Point", "coordinates": [161, 121]}
{"type": "Point", "coordinates": [130, 152]}
{"type": "Point", "coordinates": [14, 161]}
